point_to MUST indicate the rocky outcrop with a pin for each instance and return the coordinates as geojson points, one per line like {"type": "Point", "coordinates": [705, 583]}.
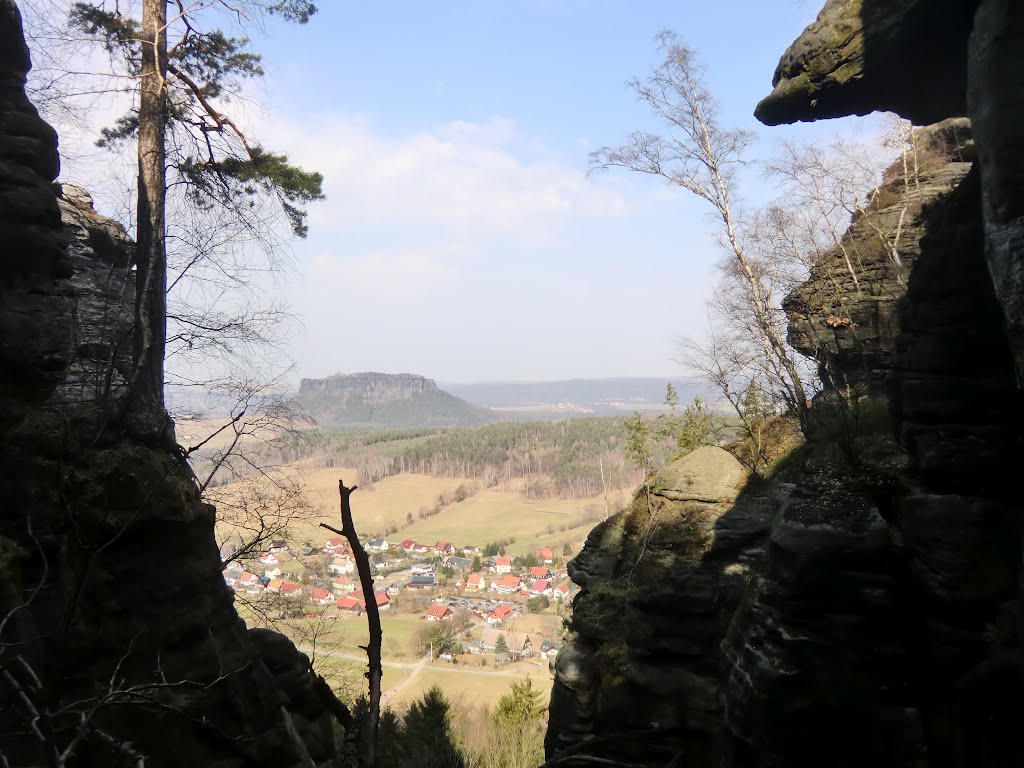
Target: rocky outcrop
{"type": "Point", "coordinates": [876, 630]}
{"type": "Point", "coordinates": [639, 680]}
{"type": "Point", "coordinates": [926, 61]}
{"type": "Point", "coordinates": [118, 638]}
{"type": "Point", "coordinates": [31, 233]}
{"type": "Point", "coordinates": [995, 99]}
{"type": "Point", "coordinates": [379, 387]}
{"type": "Point", "coordinates": [904, 56]}
{"type": "Point", "coordinates": [816, 661]}
{"type": "Point", "coordinates": [880, 618]}
{"type": "Point", "coordinates": [846, 314]}
{"type": "Point", "coordinates": [944, 686]}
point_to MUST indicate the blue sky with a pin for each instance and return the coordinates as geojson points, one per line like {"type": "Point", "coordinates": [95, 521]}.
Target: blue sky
{"type": "Point", "coordinates": [461, 237]}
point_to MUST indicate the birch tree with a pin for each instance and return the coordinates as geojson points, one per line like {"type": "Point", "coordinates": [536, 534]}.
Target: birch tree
{"type": "Point", "coordinates": [701, 156]}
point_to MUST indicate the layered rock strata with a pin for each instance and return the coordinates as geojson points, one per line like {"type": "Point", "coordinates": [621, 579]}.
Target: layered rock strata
{"type": "Point", "coordinates": [118, 639]}
{"type": "Point", "coordinates": [881, 618]}
{"type": "Point", "coordinates": [846, 315]}
{"type": "Point", "coordinates": [639, 680]}
{"type": "Point", "coordinates": [947, 690]}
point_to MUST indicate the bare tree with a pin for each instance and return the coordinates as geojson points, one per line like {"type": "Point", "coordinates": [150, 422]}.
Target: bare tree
{"type": "Point", "coordinates": [374, 673]}
{"type": "Point", "coordinates": [703, 157]}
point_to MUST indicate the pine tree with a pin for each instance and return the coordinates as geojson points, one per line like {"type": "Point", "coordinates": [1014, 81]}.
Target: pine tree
{"type": "Point", "coordinates": [671, 397]}
{"type": "Point", "coordinates": [638, 443]}
{"type": "Point", "coordinates": [500, 646]}
{"type": "Point", "coordinates": [696, 427]}
{"type": "Point", "coordinates": [521, 707]}
{"type": "Point", "coordinates": [217, 166]}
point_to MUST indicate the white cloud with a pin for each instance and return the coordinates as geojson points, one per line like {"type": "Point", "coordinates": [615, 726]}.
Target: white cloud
{"type": "Point", "coordinates": [461, 178]}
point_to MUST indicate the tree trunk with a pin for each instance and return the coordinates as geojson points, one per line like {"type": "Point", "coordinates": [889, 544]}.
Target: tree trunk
{"type": "Point", "coordinates": [151, 255]}
{"type": "Point", "coordinates": [375, 671]}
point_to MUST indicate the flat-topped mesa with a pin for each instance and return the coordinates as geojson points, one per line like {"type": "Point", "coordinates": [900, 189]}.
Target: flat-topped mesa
{"type": "Point", "coordinates": [384, 401]}
{"type": "Point", "coordinates": [382, 386]}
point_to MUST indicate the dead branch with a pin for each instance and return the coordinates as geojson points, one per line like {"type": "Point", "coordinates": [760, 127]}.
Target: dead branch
{"type": "Point", "coordinates": [368, 744]}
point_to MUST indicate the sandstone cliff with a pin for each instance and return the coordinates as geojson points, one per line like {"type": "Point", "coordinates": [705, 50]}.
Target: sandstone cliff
{"type": "Point", "coordinates": [954, 385]}
{"type": "Point", "coordinates": [118, 638]}
{"type": "Point", "coordinates": [846, 314]}
{"type": "Point", "coordinates": [639, 678]}
{"type": "Point", "coordinates": [872, 613]}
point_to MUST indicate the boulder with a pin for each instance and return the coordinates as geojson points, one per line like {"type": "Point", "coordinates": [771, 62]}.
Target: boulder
{"type": "Point", "coordinates": [709, 474]}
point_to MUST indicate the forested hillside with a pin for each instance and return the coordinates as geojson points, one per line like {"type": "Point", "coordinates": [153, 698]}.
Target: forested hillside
{"type": "Point", "coordinates": [577, 457]}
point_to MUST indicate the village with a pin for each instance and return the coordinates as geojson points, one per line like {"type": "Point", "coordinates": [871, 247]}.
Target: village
{"type": "Point", "coordinates": [474, 598]}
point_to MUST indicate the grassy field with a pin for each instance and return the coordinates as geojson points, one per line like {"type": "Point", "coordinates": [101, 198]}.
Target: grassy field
{"type": "Point", "coordinates": [490, 515]}
{"type": "Point", "coordinates": [469, 683]}
{"type": "Point", "coordinates": [378, 506]}
{"type": "Point", "coordinates": [473, 688]}
{"type": "Point", "coordinates": [494, 515]}
{"type": "Point", "coordinates": [347, 634]}
{"type": "Point", "coordinates": [536, 624]}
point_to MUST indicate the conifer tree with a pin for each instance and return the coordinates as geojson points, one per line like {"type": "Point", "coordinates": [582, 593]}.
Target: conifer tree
{"type": "Point", "coordinates": [185, 74]}
{"type": "Point", "coordinates": [500, 645]}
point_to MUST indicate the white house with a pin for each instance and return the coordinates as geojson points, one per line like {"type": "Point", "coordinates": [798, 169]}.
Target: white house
{"type": "Point", "coordinates": [341, 566]}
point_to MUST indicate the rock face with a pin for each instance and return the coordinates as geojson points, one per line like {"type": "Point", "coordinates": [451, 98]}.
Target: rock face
{"type": "Point", "coordinates": [816, 662]}
{"type": "Point", "coordinates": [846, 314]}
{"type": "Point", "coordinates": [384, 400]}
{"type": "Point", "coordinates": [31, 233]}
{"type": "Point", "coordinates": [926, 60]}
{"type": "Point", "coordinates": [932, 622]}
{"type": "Point", "coordinates": [879, 618]}
{"type": "Point", "coordinates": [118, 638]}
{"type": "Point", "coordinates": [639, 680]}
{"type": "Point", "coordinates": [904, 56]}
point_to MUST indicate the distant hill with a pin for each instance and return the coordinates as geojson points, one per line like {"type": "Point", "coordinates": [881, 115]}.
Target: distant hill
{"type": "Point", "coordinates": [576, 396]}
{"type": "Point", "coordinates": [366, 401]}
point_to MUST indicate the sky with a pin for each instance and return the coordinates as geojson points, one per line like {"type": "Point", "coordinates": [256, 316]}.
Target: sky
{"type": "Point", "coordinates": [461, 237]}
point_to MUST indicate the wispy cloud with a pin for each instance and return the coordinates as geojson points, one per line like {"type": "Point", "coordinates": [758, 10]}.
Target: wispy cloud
{"type": "Point", "coordinates": [471, 180]}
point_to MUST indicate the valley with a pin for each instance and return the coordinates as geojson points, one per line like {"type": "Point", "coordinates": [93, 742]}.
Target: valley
{"type": "Point", "coordinates": [310, 593]}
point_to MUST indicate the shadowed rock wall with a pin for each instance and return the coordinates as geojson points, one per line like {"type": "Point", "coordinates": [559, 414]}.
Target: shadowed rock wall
{"type": "Point", "coordinates": [638, 680]}
{"type": "Point", "coordinates": [846, 315]}
{"type": "Point", "coordinates": [118, 638]}
{"type": "Point", "coordinates": [880, 617]}
{"type": "Point", "coordinates": [951, 694]}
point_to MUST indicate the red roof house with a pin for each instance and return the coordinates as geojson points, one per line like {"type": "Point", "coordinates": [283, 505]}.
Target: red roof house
{"type": "Point", "coordinates": [290, 589]}
{"type": "Point", "coordinates": [348, 604]}
{"type": "Point", "coordinates": [438, 612]}
{"type": "Point", "coordinates": [321, 596]}
{"type": "Point", "coordinates": [507, 584]}
{"type": "Point", "coordinates": [500, 614]}
{"type": "Point", "coordinates": [541, 587]}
